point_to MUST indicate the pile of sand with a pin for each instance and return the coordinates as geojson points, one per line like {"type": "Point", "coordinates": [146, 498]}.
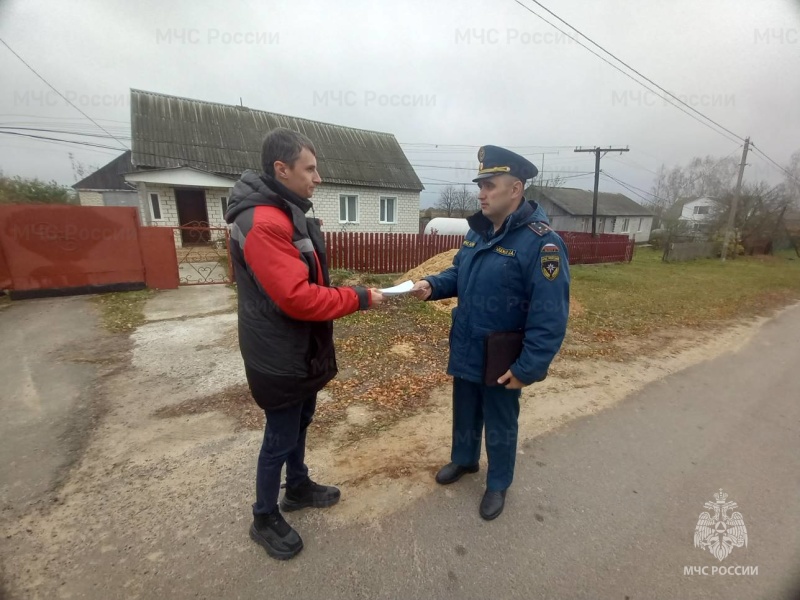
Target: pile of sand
{"type": "Point", "coordinates": [433, 266]}
{"type": "Point", "coordinates": [440, 262]}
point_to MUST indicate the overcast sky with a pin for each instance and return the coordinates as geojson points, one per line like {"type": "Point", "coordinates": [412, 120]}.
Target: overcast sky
{"type": "Point", "coordinates": [443, 76]}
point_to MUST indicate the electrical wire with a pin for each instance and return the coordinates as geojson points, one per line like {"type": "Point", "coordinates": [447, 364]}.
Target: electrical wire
{"type": "Point", "coordinates": [59, 93]}
{"type": "Point", "coordinates": [628, 75]}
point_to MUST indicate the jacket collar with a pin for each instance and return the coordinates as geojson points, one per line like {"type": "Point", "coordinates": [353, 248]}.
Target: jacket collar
{"type": "Point", "coordinates": [521, 216]}
{"type": "Point", "coordinates": [303, 204]}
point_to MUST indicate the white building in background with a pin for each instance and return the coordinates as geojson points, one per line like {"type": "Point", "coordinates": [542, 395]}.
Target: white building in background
{"type": "Point", "coordinates": [187, 154]}
{"type": "Point", "coordinates": [570, 209]}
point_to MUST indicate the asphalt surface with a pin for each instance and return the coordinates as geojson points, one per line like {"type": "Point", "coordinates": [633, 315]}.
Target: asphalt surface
{"type": "Point", "coordinates": [45, 398]}
{"type": "Point", "coordinates": [605, 507]}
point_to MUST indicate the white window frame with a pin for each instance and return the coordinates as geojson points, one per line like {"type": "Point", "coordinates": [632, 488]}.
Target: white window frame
{"type": "Point", "coordinates": [348, 219]}
{"type": "Point", "coordinates": [586, 224]}
{"type": "Point", "coordinates": [626, 225]}
{"type": "Point", "coordinates": [697, 209]}
{"type": "Point", "coordinates": [160, 206]}
{"type": "Point", "coordinates": [223, 202]}
{"type": "Point", "coordinates": [382, 211]}
{"type": "Point", "coordinates": [641, 220]}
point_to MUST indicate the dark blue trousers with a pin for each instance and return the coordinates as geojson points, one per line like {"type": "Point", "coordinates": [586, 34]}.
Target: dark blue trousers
{"type": "Point", "coordinates": [476, 405]}
{"type": "Point", "coordinates": [284, 442]}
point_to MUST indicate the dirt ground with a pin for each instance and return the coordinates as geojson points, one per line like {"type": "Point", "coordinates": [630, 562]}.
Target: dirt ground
{"type": "Point", "coordinates": [157, 481]}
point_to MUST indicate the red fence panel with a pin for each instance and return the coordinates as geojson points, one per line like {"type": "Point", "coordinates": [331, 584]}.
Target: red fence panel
{"type": "Point", "coordinates": [159, 257]}
{"type": "Point", "coordinates": [71, 248]}
{"type": "Point", "coordinates": [5, 271]}
{"type": "Point", "coordinates": [400, 252]}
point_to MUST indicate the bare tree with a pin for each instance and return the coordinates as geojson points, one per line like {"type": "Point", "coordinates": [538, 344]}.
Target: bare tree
{"type": "Point", "coordinates": [447, 201]}
{"type": "Point", "coordinates": [466, 202]}
{"type": "Point", "coordinates": [792, 180]}
{"type": "Point", "coordinates": [80, 169]}
{"type": "Point", "coordinates": [709, 176]}
{"type": "Point", "coordinates": [552, 182]}
{"type": "Point", "coordinates": [759, 215]}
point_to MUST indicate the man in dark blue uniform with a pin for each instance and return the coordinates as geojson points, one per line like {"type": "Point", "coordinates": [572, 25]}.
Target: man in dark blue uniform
{"type": "Point", "coordinates": [510, 275]}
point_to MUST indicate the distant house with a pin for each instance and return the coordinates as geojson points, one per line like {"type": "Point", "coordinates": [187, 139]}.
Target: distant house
{"type": "Point", "coordinates": [697, 213]}
{"type": "Point", "coordinates": [570, 209]}
{"type": "Point", "coordinates": [187, 154]}
{"type": "Point", "coordinates": [107, 186]}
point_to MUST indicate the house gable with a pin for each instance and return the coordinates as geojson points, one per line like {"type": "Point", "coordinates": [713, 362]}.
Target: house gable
{"type": "Point", "coordinates": [110, 176]}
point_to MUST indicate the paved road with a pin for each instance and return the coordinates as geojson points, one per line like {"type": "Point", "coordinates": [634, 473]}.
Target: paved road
{"type": "Point", "coordinates": [606, 507]}
{"type": "Point", "coordinates": [45, 400]}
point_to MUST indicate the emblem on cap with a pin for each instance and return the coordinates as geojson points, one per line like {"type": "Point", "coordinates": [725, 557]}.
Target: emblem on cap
{"type": "Point", "coordinates": [481, 154]}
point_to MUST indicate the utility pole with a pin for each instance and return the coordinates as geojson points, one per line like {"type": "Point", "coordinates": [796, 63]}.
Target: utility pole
{"type": "Point", "coordinates": [597, 150]}
{"type": "Point", "coordinates": [541, 171]}
{"type": "Point", "coordinates": [735, 203]}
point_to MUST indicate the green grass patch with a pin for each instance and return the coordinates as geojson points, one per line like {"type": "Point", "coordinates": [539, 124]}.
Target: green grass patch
{"type": "Point", "coordinates": [648, 294]}
{"type": "Point", "coordinates": [341, 277]}
{"type": "Point", "coordinates": [122, 312]}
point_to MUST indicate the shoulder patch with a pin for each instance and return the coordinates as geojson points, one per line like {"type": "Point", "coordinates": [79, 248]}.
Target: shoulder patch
{"type": "Point", "coordinates": [551, 266]}
{"type": "Point", "coordinates": [539, 228]}
{"type": "Point", "coordinates": [550, 248]}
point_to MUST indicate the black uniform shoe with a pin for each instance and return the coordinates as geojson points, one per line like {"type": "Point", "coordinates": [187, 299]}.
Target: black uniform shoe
{"type": "Point", "coordinates": [276, 535]}
{"type": "Point", "coordinates": [492, 504]}
{"type": "Point", "coordinates": [309, 494]}
{"type": "Point", "coordinates": [451, 472]}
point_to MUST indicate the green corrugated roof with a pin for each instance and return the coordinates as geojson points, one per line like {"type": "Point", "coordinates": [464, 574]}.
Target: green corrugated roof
{"type": "Point", "coordinates": [169, 131]}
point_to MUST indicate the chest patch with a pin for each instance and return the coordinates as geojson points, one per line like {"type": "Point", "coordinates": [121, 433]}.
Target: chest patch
{"type": "Point", "coordinates": [468, 243]}
{"type": "Point", "coordinates": [505, 251]}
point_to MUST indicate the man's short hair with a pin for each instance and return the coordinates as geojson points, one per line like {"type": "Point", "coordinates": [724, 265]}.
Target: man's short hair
{"type": "Point", "coordinates": [284, 145]}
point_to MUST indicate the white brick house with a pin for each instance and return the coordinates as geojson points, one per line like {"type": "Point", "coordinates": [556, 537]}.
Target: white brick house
{"type": "Point", "coordinates": [187, 155]}
{"type": "Point", "coordinates": [570, 209]}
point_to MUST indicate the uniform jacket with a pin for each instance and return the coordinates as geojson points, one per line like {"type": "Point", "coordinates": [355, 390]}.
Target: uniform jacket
{"type": "Point", "coordinates": [516, 280]}
{"type": "Point", "coordinates": [286, 306]}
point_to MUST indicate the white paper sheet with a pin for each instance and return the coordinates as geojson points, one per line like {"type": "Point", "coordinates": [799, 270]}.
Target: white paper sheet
{"type": "Point", "coordinates": [397, 290]}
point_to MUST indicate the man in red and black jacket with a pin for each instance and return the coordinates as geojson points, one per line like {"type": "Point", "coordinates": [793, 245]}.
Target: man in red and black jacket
{"type": "Point", "coordinates": [286, 312]}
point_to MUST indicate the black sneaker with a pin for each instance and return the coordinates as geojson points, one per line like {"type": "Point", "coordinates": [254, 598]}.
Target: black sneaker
{"type": "Point", "coordinates": [276, 535]}
{"type": "Point", "coordinates": [309, 494]}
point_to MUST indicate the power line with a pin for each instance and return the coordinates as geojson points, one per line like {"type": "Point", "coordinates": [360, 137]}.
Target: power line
{"type": "Point", "coordinates": [628, 75]}
{"type": "Point", "coordinates": [788, 173]}
{"type": "Point", "coordinates": [635, 71]}
{"type": "Point", "coordinates": [68, 132]}
{"type": "Point", "coordinates": [471, 146]}
{"type": "Point", "coordinates": [50, 139]}
{"type": "Point", "coordinates": [630, 188]}
{"type": "Point", "coordinates": [59, 93]}
{"type": "Point", "coordinates": [239, 167]}
{"type": "Point", "coordinates": [61, 118]}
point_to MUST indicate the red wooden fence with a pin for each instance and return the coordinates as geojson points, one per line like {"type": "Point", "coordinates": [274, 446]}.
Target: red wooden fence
{"type": "Point", "coordinates": [605, 248]}
{"type": "Point", "coordinates": [384, 252]}
{"type": "Point", "coordinates": [401, 252]}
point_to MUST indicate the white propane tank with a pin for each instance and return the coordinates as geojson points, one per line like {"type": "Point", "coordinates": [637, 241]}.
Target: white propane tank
{"type": "Point", "coordinates": [446, 226]}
